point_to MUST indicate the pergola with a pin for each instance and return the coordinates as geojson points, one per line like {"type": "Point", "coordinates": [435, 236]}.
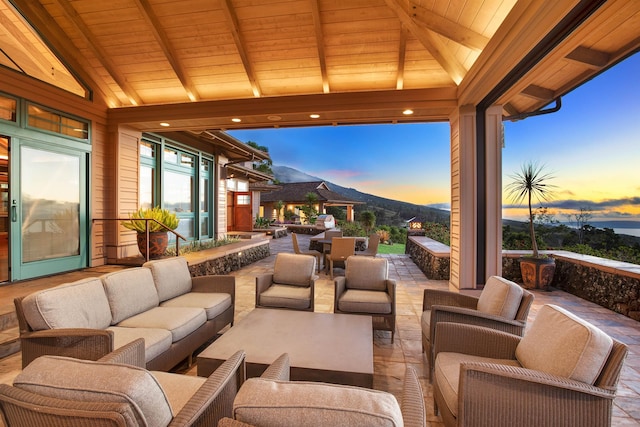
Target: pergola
{"type": "Point", "coordinates": [202, 66]}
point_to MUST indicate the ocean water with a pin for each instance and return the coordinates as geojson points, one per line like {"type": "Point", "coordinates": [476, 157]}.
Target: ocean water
{"type": "Point", "coordinates": [628, 231]}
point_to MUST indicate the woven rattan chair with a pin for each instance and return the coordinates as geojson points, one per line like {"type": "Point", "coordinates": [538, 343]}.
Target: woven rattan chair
{"type": "Point", "coordinates": [341, 249]}
{"type": "Point", "coordinates": [503, 305]}
{"type": "Point", "coordinates": [562, 372]}
{"type": "Point", "coordinates": [412, 406]}
{"type": "Point", "coordinates": [372, 247]}
{"type": "Point", "coordinates": [291, 285]}
{"type": "Point", "coordinates": [296, 249]}
{"type": "Point", "coordinates": [37, 399]}
{"type": "Point", "coordinates": [366, 289]}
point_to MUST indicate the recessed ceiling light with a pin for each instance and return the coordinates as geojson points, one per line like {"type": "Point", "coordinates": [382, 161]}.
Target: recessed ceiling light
{"type": "Point", "coordinates": [314, 116]}
{"type": "Point", "coordinates": [407, 112]}
{"type": "Point", "coordinates": [236, 120]}
{"type": "Point", "coordinates": [274, 118]}
{"type": "Point", "coordinates": [165, 124]}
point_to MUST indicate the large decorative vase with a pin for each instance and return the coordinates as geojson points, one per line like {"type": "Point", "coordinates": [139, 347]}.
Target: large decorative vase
{"type": "Point", "coordinates": [158, 242]}
{"type": "Point", "coordinates": [537, 273]}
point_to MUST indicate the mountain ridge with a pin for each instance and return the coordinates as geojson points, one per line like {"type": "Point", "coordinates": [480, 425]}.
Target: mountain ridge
{"type": "Point", "coordinates": [388, 211]}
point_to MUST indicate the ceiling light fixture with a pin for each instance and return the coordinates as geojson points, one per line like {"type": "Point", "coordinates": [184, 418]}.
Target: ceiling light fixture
{"type": "Point", "coordinates": [165, 124]}
{"type": "Point", "coordinates": [274, 118]}
{"type": "Point", "coordinates": [236, 120]}
{"type": "Point", "coordinates": [314, 116]}
{"type": "Point", "coordinates": [407, 112]}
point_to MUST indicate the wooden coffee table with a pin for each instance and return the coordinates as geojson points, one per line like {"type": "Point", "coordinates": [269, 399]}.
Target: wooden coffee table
{"type": "Point", "coordinates": [326, 347]}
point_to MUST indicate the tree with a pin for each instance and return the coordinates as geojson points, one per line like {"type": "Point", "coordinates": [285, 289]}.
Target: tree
{"type": "Point", "coordinates": [278, 205]}
{"type": "Point", "coordinates": [309, 208]}
{"type": "Point", "coordinates": [530, 183]}
{"type": "Point", "coordinates": [581, 220]}
{"type": "Point", "coordinates": [368, 220]}
{"type": "Point", "coordinates": [265, 165]}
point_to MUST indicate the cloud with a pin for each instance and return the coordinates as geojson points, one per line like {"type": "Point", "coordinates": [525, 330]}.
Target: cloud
{"type": "Point", "coordinates": [570, 204]}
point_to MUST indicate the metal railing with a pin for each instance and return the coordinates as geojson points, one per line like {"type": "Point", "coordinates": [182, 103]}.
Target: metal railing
{"type": "Point", "coordinates": [146, 229]}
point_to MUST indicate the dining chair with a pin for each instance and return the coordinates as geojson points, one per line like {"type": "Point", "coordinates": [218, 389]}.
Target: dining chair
{"type": "Point", "coordinates": [372, 246]}
{"type": "Point", "coordinates": [296, 249]}
{"type": "Point", "coordinates": [329, 235]}
{"type": "Point", "coordinates": [341, 249]}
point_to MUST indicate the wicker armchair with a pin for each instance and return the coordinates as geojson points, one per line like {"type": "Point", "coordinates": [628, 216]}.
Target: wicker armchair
{"type": "Point", "coordinates": [366, 289]}
{"type": "Point", "coordinates": [411, 408]}
{"type": "Point", "coordinates": [563, 372]}
{"type": "Point", "coordinates": [37, 399]}
{"type": "Point", "coordinates": [503, 305]}
{"type": "Point", "coordinates": [291, 285]}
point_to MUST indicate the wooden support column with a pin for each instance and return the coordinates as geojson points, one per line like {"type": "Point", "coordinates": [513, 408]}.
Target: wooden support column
{"type": "Point", "coordinates": [463, 198]}
{"type": "Point", "coordinates": [493, 193]}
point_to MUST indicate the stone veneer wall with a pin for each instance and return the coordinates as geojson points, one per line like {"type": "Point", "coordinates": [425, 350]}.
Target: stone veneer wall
{"type": "Point", "coordinates": [233, 257]}
{"type": "Point", "coordinates": [611, 284]}
{"type": "Point", "coordinates": [430, 256]}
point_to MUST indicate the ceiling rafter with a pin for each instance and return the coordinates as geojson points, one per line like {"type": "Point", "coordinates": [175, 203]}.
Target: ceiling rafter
{"type": "Point", "coordinates": [538, 92]}
{"type": "Point", "coordinates": [103, 57]}
{"type": "Point", "coordinates": [449, 29]}
{"type": "Point", "coordinates": [590, 57]}
{"type": "Point", "coordinates": [317, 24]}
{"type": "Point", "coordinates": [165, 44]}
{"type": "Point", "coordinates": [402, 53]}
{"type": "Point", "coordinates": [431, 42]}
{"type": "Point", "coordinates": [52, 34]}
{"type": "Point", "coordinates": [35, 57]}
{"type": "Point", "coordinates": [234, 26]}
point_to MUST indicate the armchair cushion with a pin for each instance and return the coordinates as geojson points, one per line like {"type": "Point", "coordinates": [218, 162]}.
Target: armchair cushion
{"type": "Point", "coordinates": [294, 269]}
{"type": "Point", "coordinates": [171, 276]}
{"type": "Point", "coordinates": [89, 381]}
{"type": "Point", "coordinates": [294, 297]}
{"type": "Point", "coordinates": [562, 344]}
{"type": "Point", "coordinates": [263, 402]}
{"type": "Point", "coordinates": [80, 304]}
{"type": "Point", "coordinates": [501, 297]}
{"type": "Point", "coordinates": [178, 388]}
{"type": "Point", "coordinates": [359, 301]}
{"type": "Point", "coordinates": [130, 291]}
{"type": "Point", "coordinates": [367, 273]}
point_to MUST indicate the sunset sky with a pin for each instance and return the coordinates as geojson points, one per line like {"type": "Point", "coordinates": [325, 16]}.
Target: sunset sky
{"type": "Point", "coordinates": [591, 146]}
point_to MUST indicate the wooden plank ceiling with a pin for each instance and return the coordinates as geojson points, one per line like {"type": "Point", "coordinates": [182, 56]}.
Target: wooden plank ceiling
{"type": "Point", "coordinates": [276, 62]}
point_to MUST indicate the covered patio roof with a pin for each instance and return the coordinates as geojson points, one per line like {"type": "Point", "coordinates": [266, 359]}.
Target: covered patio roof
{"type": "Point", "coordinates": [199, 64]}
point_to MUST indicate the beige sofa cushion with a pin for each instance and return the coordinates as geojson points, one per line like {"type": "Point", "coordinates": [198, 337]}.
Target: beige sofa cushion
{"type": "Point", "coordinates": [171, 276]}
{"type": "Point", "coordinates": [500, 297]}
{"type": "Point", "coordinates": [213, 304]}
{"type": "Point", "coordinates": [367, 273]}
{"type": "Point", "coordinates": [180, 321]}
{"type": "Point", "coordinates": [130, 291]}
{"type": "Point", "coordinates": [156, 341]}
{"type": "Point", "coordinates": [84, 380]}
{"type": "Point", "coordinates": [294, 269]}
{"type": "Point", "coordinates": [560, 343]}
{"type": "Point", "coordinates": [264, 402]}
{"type": "Point", "coordinates": [80, 304]}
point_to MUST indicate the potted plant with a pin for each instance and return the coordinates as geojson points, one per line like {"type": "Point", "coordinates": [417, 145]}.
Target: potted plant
{"type": "Point", "coordinates": [532, 182]}
{"type": "Point", "coordinates": [158, 234]}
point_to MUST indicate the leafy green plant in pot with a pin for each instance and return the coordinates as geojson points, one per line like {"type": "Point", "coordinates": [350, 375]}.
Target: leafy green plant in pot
{"type": "Point", "coordinates": [158, 235]}
{"type": "Point", "coordinates": [532, 182]}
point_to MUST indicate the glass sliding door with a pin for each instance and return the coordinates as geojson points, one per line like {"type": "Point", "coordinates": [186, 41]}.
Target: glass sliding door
{"type": "Point", "coordinates": [48, 213]}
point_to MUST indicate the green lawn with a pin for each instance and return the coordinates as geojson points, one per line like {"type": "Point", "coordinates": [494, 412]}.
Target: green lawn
{"type": "Point", "coordinates": [396, 248]}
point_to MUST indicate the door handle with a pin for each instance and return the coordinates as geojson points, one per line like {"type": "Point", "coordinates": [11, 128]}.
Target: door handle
{"type": "Point", "coordinates": [14, 211]}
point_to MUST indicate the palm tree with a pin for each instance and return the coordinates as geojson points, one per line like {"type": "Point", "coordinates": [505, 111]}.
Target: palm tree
{"type": "Point", "coordinates": [368, 220]}
{"type": "Point", "coordinates": [530, 183]}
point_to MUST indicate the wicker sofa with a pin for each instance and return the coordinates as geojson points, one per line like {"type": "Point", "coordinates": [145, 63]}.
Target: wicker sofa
{"type": "Point", "coordinates": [159, 302]}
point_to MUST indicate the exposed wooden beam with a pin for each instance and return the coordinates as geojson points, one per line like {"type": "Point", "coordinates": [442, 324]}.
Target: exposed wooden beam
{"type": "Point", "coordinates": [402, 53]}
{"type": "Point", "coordinates": [538, 92]}
{"type": "Point", "coordinates": [591, 57]}
{"type": "Point", "coordinates": [449, 29]}
{"type": "Point", "coordinates": [234, 26]}
{"type": "Point", "coordinates": [155, 27]}
{"type": "Point", "coordinates": [57, 39]}
{"type": "Point", "coordinates": [102, 56]}
{"type": "Point", "coordinates": [317, 24]}
{"type": "Point", "coordinates": [431, 42]}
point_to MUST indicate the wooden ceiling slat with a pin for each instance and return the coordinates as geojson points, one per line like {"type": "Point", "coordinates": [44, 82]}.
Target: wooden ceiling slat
{"type": "Point", "coordinates": [402, 50]}
{"type": "Point", "coordinates": [234, 26]}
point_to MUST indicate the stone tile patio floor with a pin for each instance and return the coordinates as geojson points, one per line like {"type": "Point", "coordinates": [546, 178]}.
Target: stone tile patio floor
{"type": "Point", "coordinates": [390, 360]}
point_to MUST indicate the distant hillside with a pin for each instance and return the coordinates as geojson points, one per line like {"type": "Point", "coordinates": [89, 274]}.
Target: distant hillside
{"type": "Point", "coordinates": [388, 211]}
